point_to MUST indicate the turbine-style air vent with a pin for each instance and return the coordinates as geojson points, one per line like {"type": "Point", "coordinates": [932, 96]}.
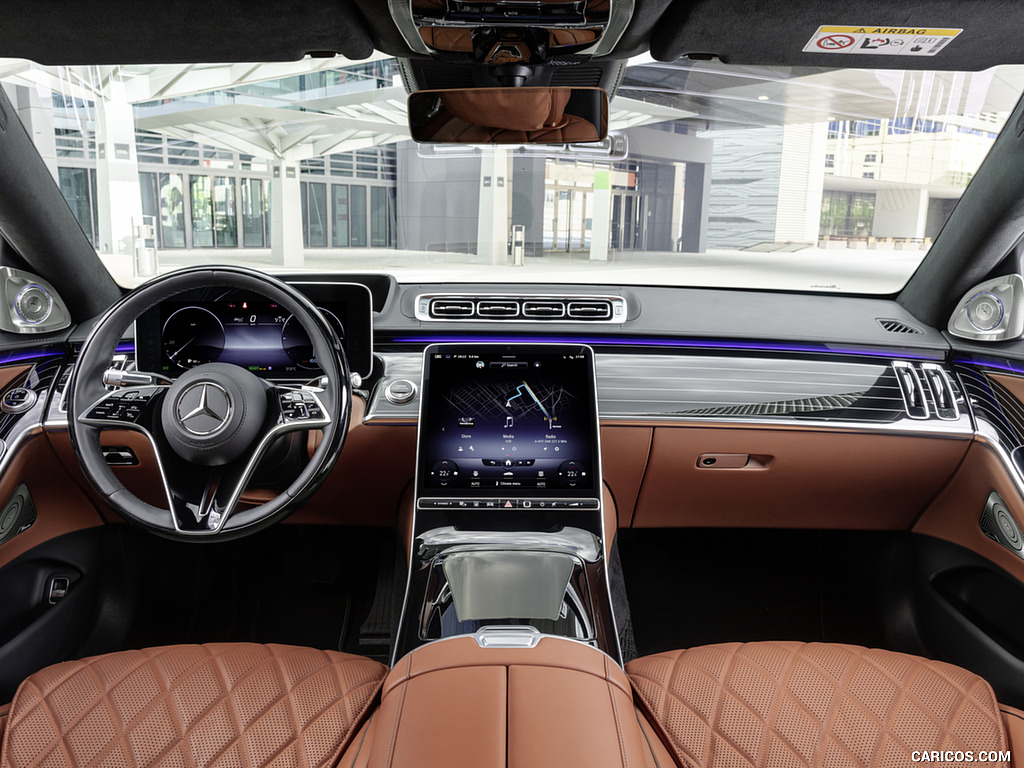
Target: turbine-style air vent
{"type": "Point", "coordinates": [528, 309]}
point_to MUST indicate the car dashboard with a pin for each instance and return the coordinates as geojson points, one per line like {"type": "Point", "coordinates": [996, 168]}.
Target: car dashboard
{"type": "Point", "coordinates": [681, 380]}
{"type": "Point", "coordinates": [716, 410]}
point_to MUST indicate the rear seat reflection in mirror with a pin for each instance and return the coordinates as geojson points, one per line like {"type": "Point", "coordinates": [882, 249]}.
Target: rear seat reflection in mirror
{"type": "Point", "coordinates": [509, 115]}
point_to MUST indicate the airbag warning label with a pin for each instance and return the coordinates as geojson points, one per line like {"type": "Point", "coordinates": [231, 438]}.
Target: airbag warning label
{"type": "Point", "coordinates": [880, 41]}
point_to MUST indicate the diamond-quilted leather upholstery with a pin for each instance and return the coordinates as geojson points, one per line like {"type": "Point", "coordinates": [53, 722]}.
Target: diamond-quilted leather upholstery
{"type": "Point", "coordinates": [789, 704]}
{"type": "Point", "coordinates": [192, 706]}
{"type": "Point", "coordinates": [458, 130]}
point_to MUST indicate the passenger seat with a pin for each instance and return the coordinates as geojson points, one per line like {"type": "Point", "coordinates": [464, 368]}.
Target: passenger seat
{"type": "Point", "coordinates": [820, 705]}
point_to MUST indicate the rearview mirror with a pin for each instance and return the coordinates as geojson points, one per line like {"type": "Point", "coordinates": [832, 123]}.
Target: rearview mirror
{"type": "Point", "coordinates": [509, 115]}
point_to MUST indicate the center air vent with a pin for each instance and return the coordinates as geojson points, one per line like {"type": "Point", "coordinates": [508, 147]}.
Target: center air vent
{"type": "Point", "coordinates": [528, 309]}
{"type": "Point", "coordinates": [451, 308]}
{"type": "Point", "coordinates": [497, 308]}
{"type": "Point", "coordinates": [543, 309]}
{"type": "Point", "coordinates": [599, 309]}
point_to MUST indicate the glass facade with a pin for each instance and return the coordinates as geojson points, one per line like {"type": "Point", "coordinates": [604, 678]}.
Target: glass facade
{"type": "Point", "coordinates": [847, 214]}
{"type": "Point", "coordinates": [229, 210]}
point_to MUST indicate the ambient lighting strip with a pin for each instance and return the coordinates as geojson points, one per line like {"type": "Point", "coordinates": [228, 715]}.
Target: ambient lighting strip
{"type": "Point", "coordinates": [730, 345]}
{"type": "Point", "coordinates": [26, 356]}
{"type": "Point", "coordinates": [996, 365]}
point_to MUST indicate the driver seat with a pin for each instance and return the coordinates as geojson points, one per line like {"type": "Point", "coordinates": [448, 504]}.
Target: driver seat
{"type": "Point", "coordinates": [195, 706]}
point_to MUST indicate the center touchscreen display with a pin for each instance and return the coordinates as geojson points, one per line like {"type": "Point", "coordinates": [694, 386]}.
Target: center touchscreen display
{"type": "Point", "coordinates": [508, 420]}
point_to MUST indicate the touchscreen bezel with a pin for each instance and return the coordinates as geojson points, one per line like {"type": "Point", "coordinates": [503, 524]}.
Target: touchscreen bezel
{"type": "Point", "coordinates": [423, 490]}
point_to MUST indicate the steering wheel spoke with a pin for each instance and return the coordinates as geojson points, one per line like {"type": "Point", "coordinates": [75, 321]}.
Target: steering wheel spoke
{"type": "Point", "coordinates": [301, 409]}
{"type": "Point", "coordinates": [202, 499]}
{"type": "Point", "coordinates": [131, 408]}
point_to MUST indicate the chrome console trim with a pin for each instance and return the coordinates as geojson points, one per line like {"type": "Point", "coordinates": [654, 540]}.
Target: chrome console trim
{"type": "Point", "coordinates": [507, 637]}
{"type": "Point", "coordinates": [572, 541]}
{"type": "Point", "coordinates": [652, 388]}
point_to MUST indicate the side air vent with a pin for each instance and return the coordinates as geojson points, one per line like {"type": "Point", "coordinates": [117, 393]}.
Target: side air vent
{"type": "Point", "coordinates": [912, 390]}
{"type": "Point", "coordinates": [523, 309]}
{"type": "Point", "coordinates": [896, 326]}
{"type": "Point", "coordinates": [589, 310]}
{"type": "Point", "coordinates": [452, 308]}
{"type": "Point", "coordinates": [941, 389]}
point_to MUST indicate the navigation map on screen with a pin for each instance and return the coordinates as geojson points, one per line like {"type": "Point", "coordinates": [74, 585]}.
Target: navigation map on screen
{"type": "Point", "coordinates": [499, 422]}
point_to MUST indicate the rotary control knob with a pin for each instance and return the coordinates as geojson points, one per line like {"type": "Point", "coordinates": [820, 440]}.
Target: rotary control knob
{"type": "Point", "coordinates": [33, 304]}
{"type": "Point", "coordinates": [400, 392]}
{"type": "Point", "coordinates": [17, 400]}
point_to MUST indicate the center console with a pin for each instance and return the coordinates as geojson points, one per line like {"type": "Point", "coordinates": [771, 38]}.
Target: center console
{"type": "Point", "coordinates": [508, 507]}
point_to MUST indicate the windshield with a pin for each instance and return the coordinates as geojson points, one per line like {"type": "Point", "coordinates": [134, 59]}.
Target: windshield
{"type": "Point", "coordinates": [713, 175]}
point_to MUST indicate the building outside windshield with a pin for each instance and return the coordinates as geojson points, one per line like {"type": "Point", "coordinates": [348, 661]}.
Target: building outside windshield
{"type": "Point", "coordinates": [795, 178]}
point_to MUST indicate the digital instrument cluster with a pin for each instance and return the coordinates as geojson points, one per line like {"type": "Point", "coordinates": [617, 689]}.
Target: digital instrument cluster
{"type": "Point", "coordinates": [507, 422]}
{"type": "Point", "coordinates": [249, 330]}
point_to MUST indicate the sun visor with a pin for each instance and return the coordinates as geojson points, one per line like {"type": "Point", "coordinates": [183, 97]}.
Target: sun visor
{"type": "Point", "coordinates": [929, 35]}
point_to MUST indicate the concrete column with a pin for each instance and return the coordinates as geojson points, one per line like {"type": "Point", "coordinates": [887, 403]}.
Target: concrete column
{"type": "Point", "coordinates": [492, 229]}
{"type": "Point", "coordinates": [601, 217]}
{"type": "Point", "coordinates": [696, 194]}
{"type": "Point", "coordinates": [117, 173]}
{"type": "Point", "coordinates": [35, 108]}
{"type": "Point", "coordinates": [900, 212]}
{"type": "Point", "coordinates": [286, 216]}
{"type": "Point", "coordinates": [801, 183]}
{"type": "Point", "coordinates": [678, 180]}
{"type": "Point", "coordinates": [528, 199]}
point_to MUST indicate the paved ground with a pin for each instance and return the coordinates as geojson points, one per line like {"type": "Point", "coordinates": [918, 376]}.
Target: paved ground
{"type": "Point", "coordinates": [815, 269]}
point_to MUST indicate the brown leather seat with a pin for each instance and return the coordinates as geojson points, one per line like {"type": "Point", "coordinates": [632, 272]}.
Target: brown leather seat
{"type": "Point", "coordinates": [231, 704]}
{"type": "Point", "coordinates": [773, 704]}
{"type": "Point", "coordinates": [523, 116]}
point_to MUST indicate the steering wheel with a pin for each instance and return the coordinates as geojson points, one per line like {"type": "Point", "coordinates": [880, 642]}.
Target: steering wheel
{"type": "Point", "coordinates": [209, 428]}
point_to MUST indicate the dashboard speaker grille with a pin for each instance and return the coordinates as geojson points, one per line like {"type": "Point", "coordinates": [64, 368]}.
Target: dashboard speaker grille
{"type": "Point", "coordinates": [897, 326]}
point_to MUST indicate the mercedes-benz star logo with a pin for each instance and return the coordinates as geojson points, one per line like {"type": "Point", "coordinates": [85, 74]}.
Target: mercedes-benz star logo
{"type": "Point", "coordinates": [204, 408]}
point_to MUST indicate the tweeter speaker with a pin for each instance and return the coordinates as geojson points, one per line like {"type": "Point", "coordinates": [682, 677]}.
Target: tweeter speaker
{"type": "Point", "coordinates": [985, 311]}
{"type": "Point", "coordinates": [18, 514]}
{"type": "Point", "coordinates": [991, 311]}
{"type": "Point", "coordinates": [998, 523]}
{"type": "Point", "coordinates": [33, 304]}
